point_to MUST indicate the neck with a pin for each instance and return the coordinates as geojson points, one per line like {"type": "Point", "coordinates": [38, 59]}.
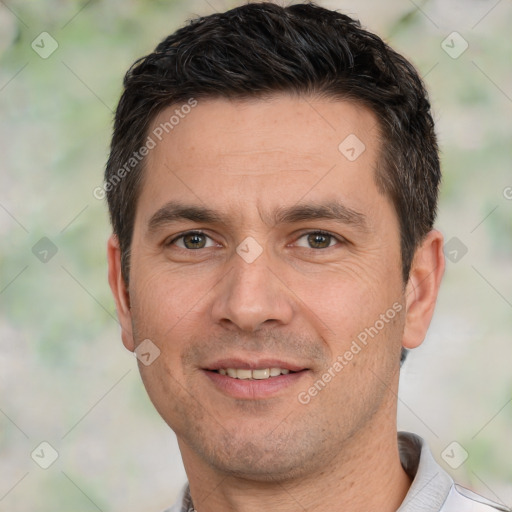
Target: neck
{"type": "Point", "coordinates": [366, 474]}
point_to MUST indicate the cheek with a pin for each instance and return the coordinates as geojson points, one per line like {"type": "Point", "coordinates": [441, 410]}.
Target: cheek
{"type": "Point", "coordinates": [361, 321]}
{"type": "Point", "coordinates": [163, 299]}
{"type": "Point", "coordinates": [168, 308]}
{"type": "Point", "coordinates": [349, 297]}
{"type": "Point", "coordinates": [164, 311]}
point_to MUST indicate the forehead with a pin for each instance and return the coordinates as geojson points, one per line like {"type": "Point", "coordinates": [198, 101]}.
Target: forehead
{"type": "Point", "coordinates": [306, 125]}
{"type": "Point", "coordinates": [259, 151]}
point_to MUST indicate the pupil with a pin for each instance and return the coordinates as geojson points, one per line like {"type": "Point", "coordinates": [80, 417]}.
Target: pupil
{"type": "Point", "coordinates": [194, 240]}
{"type": "Point", "coordinates": [319, 239]}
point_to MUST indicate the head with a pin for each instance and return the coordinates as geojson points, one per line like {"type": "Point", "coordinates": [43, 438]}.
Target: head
{"type": "Point", "coordinates": [259, 127]}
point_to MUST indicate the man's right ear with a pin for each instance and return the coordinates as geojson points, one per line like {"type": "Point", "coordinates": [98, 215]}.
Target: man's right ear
{"type": "Point", "coordinates": [120, 292]}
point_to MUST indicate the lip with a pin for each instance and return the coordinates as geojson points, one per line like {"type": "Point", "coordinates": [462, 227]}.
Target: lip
{"type": "Point", "coordinates": [254, 389]}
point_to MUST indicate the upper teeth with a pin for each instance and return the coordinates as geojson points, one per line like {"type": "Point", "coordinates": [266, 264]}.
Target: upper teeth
{"type": "Point", "coordinates": [264, 373]}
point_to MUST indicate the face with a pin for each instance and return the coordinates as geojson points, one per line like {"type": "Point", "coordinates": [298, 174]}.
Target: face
{"type": "Point", "coordinates": [263, 247]}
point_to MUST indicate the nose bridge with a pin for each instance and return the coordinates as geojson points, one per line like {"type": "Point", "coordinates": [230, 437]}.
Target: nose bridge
{"type": "Point", "coordinates": [251, 294]}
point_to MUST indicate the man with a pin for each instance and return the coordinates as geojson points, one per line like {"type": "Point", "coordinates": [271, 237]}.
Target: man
{"type": "Point", "coordinates": [272, 186]}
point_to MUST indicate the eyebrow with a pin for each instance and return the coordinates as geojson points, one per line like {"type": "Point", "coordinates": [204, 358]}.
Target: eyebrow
{"type": "Point", "coordinates": [175, 211]}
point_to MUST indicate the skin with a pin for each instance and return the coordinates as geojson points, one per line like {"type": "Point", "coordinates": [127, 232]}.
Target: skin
{"type": "Point", "coordinates": [300, 300]}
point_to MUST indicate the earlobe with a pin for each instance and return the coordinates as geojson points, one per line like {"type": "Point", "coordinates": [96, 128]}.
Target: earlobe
{"type": "Point", "coordinates": [120, 292]}
{"type": "Point", "coordinates": [427, 270]}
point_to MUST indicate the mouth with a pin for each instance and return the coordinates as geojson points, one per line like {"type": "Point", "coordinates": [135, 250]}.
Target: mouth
{"type": "Point", "coordinates": [257, 374]}
{"type": "Point", "coordinates": [253, 379]}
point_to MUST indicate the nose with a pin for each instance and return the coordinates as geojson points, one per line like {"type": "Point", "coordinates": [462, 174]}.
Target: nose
{"type": "Point", "coordinates": [252, 296]}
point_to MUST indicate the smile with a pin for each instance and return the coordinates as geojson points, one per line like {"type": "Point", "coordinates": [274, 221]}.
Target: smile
{"type": "Point", "coordinates": [256, 374]}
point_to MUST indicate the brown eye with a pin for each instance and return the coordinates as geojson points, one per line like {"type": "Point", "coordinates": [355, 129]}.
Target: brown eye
{"type": "Point", "coordinates": [319, 240]}
{"type": "Point", "coordinates": [191, 240]}
{"type": "Point", "coordinates": [194, 241]}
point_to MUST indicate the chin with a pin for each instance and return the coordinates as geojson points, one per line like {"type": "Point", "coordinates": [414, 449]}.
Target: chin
{"type": "Point", "coordinates": [263, 471]}
{"type": "Point", "coordinates": [265, 459]}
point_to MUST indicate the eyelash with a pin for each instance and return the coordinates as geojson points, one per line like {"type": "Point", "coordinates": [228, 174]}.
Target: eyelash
{"type": "Point", "coordinates": [202, 233]}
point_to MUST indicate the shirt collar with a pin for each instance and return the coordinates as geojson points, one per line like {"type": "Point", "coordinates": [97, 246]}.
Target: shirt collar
{"type": "Point", "coordinates": [430, 483]}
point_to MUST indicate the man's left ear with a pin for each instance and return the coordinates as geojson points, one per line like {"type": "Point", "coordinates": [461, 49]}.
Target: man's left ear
{"type": "Point", "coordinates": [427, 270]}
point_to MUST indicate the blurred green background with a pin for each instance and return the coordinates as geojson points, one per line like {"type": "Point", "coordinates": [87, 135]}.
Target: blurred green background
{"type": "Point", "coordinates": [65, 377]}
